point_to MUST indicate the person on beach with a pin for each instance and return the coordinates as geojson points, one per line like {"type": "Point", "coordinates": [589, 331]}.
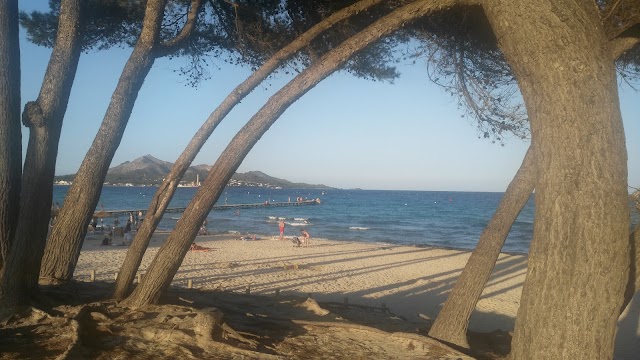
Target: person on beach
{"type": "Point", "coordinates": [305, 237]}
{"type": "Point", "coordinates": [281, 226]}
{"type": "Point", "coordinates": [127, 233]}
{"type": "Point", "coordinates": [196, 247]}
{"type": "Point", "coordinates": [203, 228]}
{"type": "Point", "coordinates": [107, 239]}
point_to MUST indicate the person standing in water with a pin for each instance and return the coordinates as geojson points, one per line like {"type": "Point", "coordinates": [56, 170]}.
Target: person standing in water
{"type": "Point", "coordinates": [281, 226]}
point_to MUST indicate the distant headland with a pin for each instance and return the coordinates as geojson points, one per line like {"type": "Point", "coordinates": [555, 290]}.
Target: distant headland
{"type": "Point", "coordinates": [150, 171]}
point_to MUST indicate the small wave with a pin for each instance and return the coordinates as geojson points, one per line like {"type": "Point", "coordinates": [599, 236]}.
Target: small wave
{"type": "Point", "coordinates": [272, 217]}
{"type": "Point", "coordinates": [301, 219]}
{"type": "Point", "coordinates": [233, 232]}
{"type": "Point", "coordinates": [298, 223]}
{"type": "Point", "coordinates": [358, 228]}
{"type": "Point", "coordinates": [175, 218]}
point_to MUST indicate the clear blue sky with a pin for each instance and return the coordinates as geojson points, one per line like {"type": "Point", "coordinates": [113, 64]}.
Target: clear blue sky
{"type": "Point", "coordinates": [346, 132]}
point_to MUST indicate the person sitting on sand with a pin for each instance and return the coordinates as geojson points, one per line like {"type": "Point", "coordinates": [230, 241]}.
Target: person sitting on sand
{"type": "Point", "coordinates": [305, 237]}
{"type": "Point", "coordinates": [107, 239]}
{"type": "Point", "coordinates": [196, 247]}
{"type": "Point", "coordinates": [296, 241]}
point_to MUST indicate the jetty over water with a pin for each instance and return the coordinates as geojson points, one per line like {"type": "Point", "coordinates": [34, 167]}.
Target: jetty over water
{"type": "Point", "coordinates": [114, 213]}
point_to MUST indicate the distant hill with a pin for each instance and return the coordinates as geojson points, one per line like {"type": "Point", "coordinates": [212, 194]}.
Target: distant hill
{"type": "Point", "coordinates": [147, 170]}
{"type": "Point", "coordinates": [260, 177]}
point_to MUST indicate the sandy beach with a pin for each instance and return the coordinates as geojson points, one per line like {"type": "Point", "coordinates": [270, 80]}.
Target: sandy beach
{"type": "Point", "coordinates": [408, 280]}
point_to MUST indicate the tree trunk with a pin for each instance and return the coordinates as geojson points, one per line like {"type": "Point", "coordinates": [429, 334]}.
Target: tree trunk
{"type": "Point", "coordinates": [453, 320]}
{"type": "Point", "coordinates": [172, 252]}
{"type": "Point", "coordinates": [165, 191]}
{"type": "Point", "coordinates": [10, 131]}
{"type": "Point", "coordinates": [44, 120]}
{"type": "Point", "coordinates": [576, 274]}
{"type": "Point", "coordinates": [633, 283]}
{"type": "Point", "coordinates": [63, 248]}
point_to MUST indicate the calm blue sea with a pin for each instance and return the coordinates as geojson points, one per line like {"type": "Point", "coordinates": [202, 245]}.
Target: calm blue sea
{"type": "Point", "coordinates": [438, 218]}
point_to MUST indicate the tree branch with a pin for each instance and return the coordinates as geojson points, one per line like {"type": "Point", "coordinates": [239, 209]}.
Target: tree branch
{"type": "Point", "coordinates": [620, 16]}
{"type": "Point", "coordinates": [169, 46]}
{"type": "Point", "coordinates": [624, 42]}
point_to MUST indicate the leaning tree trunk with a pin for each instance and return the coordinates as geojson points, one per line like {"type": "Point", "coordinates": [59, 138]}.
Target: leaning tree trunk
{"type": "Point", "coordinates": [63, 248]}
{"type": "Point", "coordinates": [172, 252]}
{"type": "Point", "coordinates": [453, 320]}
{"type": "Point", "coordinates": [10, 131]}
{"type": "Point", "coordinates": [165, 191]}
{"type": "Point", "coordinates": [44, 118]}
{"type": "Point", "coordinates": [633, 282]}
{"type": "Point", "coordinates": [577, 269]}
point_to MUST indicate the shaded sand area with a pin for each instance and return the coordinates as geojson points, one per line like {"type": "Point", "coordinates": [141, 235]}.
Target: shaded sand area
{"type": "Point", "coordinates": [411, 282]}
{"type": "Point", "coordinates": [408, 280]}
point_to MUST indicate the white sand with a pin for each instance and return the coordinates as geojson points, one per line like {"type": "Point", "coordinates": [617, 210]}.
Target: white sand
{"type": "Point", "coordinates": [409, 280]}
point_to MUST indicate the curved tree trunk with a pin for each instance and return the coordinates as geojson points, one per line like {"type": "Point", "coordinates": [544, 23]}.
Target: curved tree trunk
{"type": "Point", "coordinates": [44, 118]}
{"type": "Point", "coordinates": [576, 275]}
{"type": "Point", "coordinates": [170, 255]}
{"type": "Point", "coordinates": [10, 131]}
{"type": "Point", "coordinates": [165, 191]}
{"type": "Point", "coordinates": [453, 320]}
{"type": "Point", "coordinates": [63, 248]}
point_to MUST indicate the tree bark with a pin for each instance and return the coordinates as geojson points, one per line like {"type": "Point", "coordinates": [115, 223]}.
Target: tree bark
{"type": "Point", "coordinates": [633, 283]}
{"type": "Point", "coordinates": [172, 252]}
{"type": "Point", "coordinates": [576, 277]}
{"type": "Point", "coordinates": [166, 190]}
{"type": "Point", "coordinates": [10, 131]}
{"type": "Point", "coordinates": [63, 248]}
{"type": "Point", "coordinates": [453, 320]}
{"type": "Point", "coordinates": [44, 119]}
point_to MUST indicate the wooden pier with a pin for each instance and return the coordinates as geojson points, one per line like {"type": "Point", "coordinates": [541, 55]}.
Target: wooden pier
{"type": "Point", "coordinates": [114, 213]}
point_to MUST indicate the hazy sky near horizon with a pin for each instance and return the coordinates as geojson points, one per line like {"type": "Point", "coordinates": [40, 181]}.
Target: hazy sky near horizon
{"type": "Point", "coordinates": [346, 132]}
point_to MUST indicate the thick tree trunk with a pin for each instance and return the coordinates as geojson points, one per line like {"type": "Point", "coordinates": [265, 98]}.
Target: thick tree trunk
{"type": "Point", "coordinates": [576, 273]}
{"type": "Point", "coordinates": [165, 191]}
{"type": "Point", "coordinates": [453, 320]}
{"type": "Point", "coordinates": [170, 255]}
{"type": "Point", "coordinates": [10, 131]}
{"type": "Point", "coordinates": [44, 120]}
{"type": "Point", "coordinates": [63, 248]}
{"type": "Point", "coordinates": [633, 282]}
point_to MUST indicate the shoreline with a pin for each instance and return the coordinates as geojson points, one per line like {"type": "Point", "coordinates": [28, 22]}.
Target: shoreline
{"type": "Point", "coordinates": [390, 243]}
{"type": "Point", "coordinates": [411, 281]}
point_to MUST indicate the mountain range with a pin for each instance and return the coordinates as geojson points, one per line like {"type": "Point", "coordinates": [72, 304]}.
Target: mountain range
{"type": "Point", "coordinates": [148, 170]}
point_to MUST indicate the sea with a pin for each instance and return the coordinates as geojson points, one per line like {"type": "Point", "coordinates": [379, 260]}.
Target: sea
{"type": "Point", "coordinates": [448, 219]}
